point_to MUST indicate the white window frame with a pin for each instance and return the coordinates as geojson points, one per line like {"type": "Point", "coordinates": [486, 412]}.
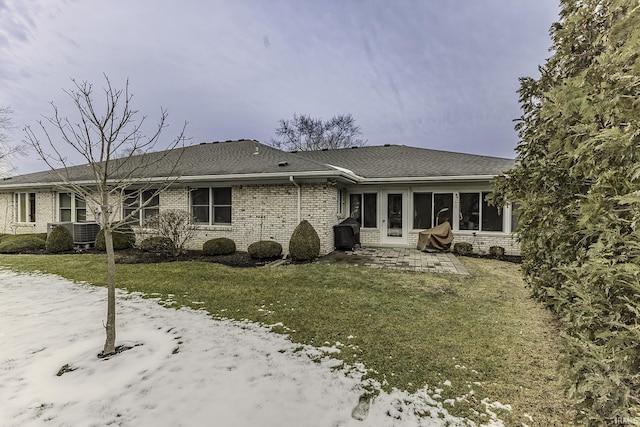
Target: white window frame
{"type": "Point", "coordinates": [143, 213]}
{"type": "Point", "coordinates": [433, 216]}
{"type": "Point", "coordinates": [502, 213]}
{"type": "Point", "coordinates": [74, 207]}
{"type": "Point", "coordinates": [513, 216]}
{"type": "Point", "coordinates": [341, 202]}
{"type": "Point", "coordinates": [363, 218]}
{"type": "Point", "coordinates": [212, 205]}
{"type": "Point", "coordinates": [29, 213]}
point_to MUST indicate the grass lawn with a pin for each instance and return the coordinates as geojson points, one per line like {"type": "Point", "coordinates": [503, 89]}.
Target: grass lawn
{"type": "Point", "coordinates": [480, 333]}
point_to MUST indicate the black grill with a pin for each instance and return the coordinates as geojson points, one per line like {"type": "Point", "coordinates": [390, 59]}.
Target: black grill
{"type": "Point", "coordinates": [346, 235]}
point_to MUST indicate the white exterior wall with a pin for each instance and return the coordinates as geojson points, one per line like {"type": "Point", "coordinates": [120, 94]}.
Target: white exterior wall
{"type": "Point", "coordinates": [174, 198]}
{"type": "Point", "coordinates": [45, 208]}
{"type": "Point", "coordinates": [46, 212]}
{"type": "Point", "coordinates": [6, 212]}
{"type": "Point", "coordinates": [320, 208]}
{"type": "Point", "coordinates": [269, 212]}
{"type": "Point", "coordinates": [481, 241]}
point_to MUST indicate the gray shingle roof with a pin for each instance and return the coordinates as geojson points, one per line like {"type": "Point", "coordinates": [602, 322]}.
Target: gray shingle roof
{"type": "Point", "coordinates": [395, 161]}
{"type": "Point", "coordinates": [207, 159]}
{"type": "Point", "coordinates": [247, 157]}
{"type": "Point", "coordinates": [237, 158]}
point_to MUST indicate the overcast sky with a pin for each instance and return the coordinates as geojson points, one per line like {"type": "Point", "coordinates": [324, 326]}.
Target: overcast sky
{"type": "Point", "coordinates": [425, 73]}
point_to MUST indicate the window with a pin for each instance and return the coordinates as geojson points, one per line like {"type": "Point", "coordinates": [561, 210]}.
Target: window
{"type": "Point", "coordinates": [442, 208]}
{"type": "Point", "coordinates": [25, 207]}
{"type": "Point", "coordinates": [370, 210]}
{"type": "Point", "coordinates": [139, 206]}
{"type": "Point", "coordinates": [72, 208]}
{"type": "Point", "coordinates": [422, 210]}
{"type": "Point", "coordinates": [221, 205]}
{"type": "Point", "coordinates": [431, 209]}
{"type": "Point", "coordinates": [469, 211]}
{"type": "Point", "coordinates": [211, 205]}
{"type": "Point", "coordinates": [340, 201]}
{"type": "Point", "coordinates": [491, 215]}
{"type": "Point", "coordinates": [477, 214]}
{"type": "Point", "coordinates": [364, 209]}
{"type": "Point", "coordinates": [200, 204]}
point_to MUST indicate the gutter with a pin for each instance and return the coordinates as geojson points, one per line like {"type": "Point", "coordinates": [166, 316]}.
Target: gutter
{"type": "Point", "coordinates": [191, 178]}
{"type": "Point", "coordinates": [414, 179]}
{"type": "Point", "coordinates": [261, 177]}
{"type": "Point", "coordinates": [299, 197]}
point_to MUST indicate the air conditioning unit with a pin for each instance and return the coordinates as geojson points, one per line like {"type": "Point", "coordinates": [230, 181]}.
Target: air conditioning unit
{"type": "Point", "coordinates": [84, 233]}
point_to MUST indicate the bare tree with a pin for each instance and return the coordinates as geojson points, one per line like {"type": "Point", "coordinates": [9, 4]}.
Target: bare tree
{"type": "Point", "coordinates": [119, 156]}
{"type": "Point", "coordinates": [7, 150]}
{"type": "Point", "coordinates": [305, 133]}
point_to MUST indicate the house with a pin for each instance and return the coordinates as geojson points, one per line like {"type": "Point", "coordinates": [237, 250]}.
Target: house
{"type": "Point", "coordinates": [248, 191]}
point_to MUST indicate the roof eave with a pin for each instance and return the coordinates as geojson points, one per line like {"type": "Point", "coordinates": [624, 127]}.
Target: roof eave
{"type": "Point", "coordinates": [414, 179]}
{"type": "Point", "coordinates": [271, 176]}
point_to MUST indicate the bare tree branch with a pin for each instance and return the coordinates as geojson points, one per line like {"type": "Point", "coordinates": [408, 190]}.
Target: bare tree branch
{"type": "Point", "coordinates": [118, 156]}
{"type": "Point", "coordinates": [305, 133]}
{"type": "Point", "coordinates": [7, 151]}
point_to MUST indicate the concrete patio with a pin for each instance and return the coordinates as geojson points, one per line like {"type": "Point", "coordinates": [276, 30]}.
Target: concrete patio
{"type": "Point", "coordinates": [397, 258]}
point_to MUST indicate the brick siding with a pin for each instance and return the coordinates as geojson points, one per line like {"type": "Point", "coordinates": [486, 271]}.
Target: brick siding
{"type": "Point", "coordinates": [270, 212]}
{"type": "Point", "coordinates": [259, 211]}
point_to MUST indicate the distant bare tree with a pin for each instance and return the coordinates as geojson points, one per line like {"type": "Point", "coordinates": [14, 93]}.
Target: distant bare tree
{"type": "Point", "coordinates": [7, 150]}
{"type": "Point", "coordinates": [305, 133]}
{"type": "Point", "coordinates": [100, 137]}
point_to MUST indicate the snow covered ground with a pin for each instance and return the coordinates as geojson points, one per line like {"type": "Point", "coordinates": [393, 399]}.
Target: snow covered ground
{"type": "Point", "coordinates": [184, 368]}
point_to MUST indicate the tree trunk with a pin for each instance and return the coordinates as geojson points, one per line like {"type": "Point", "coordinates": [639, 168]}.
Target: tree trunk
{"type": "Point", "coordinates": [110, 342]}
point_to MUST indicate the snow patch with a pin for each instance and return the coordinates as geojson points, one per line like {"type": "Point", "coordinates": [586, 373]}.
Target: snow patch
{"type": "Point", "coordinates": [183, 368]}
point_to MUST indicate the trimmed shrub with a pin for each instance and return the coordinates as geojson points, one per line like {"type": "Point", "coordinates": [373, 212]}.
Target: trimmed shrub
{"type": "Point", "coordinates": [265, 249]}
{"type": "Point", "coordinates": [219, 246]}
{"type": "Point", "coordinates": [463, 248]}
{"type": "Point", "coordinates": [304, 244]}
{"type": "Point", "coordinates": [59, 240]}
{"type": "Point", "coordinates": [13, 244]}
{"type": "Point", "coordinates": [496, 251]}
{"type": "Point", "coordinates": [156, 244]}
{"type": "Point", "coordinates": [123, 238]}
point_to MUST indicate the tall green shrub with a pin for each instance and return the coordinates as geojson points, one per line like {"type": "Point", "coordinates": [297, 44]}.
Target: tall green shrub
{"type": "Point", "coordinates": [304, 244]}
{"type": "Point", "coordinates": [577, 181]}
{"type": "Point", "coordinates": [59, 240]}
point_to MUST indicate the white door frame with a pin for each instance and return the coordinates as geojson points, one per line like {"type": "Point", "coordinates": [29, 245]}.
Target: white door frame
{"type": "Point", "coordinates": [397, 235]}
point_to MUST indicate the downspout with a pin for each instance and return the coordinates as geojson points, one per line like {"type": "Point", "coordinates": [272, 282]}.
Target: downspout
{"type": "Point", "coordinates": [299, 196]}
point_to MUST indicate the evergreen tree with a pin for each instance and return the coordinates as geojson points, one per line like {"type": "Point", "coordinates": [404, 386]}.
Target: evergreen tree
{"type": "Point", "coordinates": [577, 181]}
